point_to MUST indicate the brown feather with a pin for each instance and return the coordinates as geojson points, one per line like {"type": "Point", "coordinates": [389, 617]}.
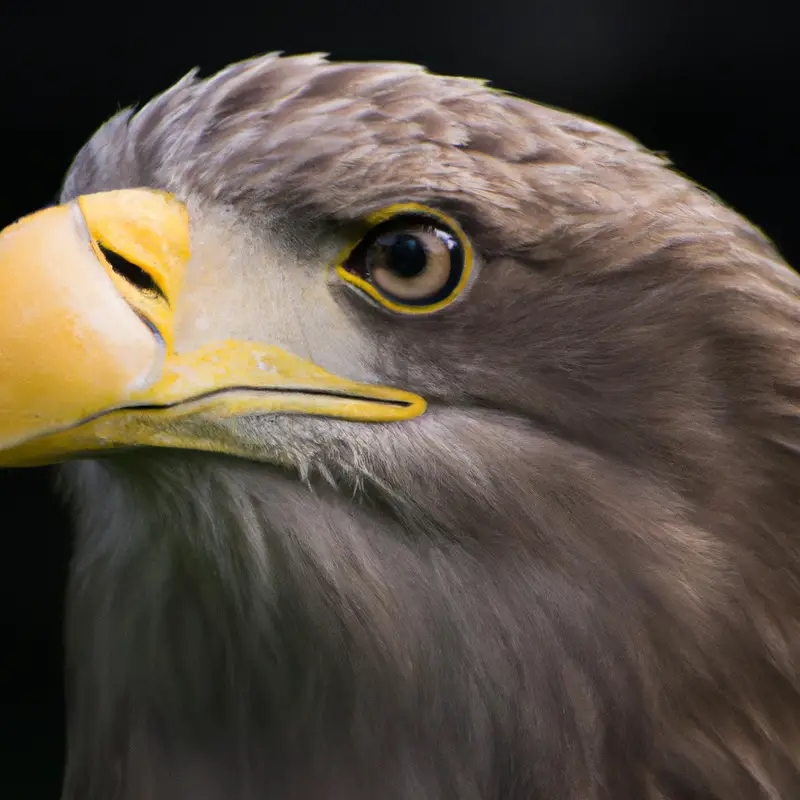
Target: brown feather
{"type": "Point", "coordinates": [576, 577]}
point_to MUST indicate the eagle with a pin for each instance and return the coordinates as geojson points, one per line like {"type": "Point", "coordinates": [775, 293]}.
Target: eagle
{"type": "Point", "coordinates": [421, 441]}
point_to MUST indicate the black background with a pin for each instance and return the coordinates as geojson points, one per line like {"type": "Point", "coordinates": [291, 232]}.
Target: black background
{"type": "Point", "coordinates": [713, 84]}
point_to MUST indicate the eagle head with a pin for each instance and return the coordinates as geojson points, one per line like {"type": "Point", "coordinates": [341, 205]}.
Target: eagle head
{"type": "Point", "coordinates": [423, 442]}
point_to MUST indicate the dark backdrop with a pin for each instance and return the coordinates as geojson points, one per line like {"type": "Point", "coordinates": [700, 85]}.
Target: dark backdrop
{"type": "Point", "coordinates": [713, 84]}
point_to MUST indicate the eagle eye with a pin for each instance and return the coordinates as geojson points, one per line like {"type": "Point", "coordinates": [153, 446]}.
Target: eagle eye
{"type": "Point", "coordinates": [412, 260]}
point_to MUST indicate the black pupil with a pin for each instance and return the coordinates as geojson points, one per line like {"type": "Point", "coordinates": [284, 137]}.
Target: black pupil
{"type": "Point", "coordinates": [405, 255]}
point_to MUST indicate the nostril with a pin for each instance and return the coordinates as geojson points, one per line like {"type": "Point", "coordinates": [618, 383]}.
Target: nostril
{"type": "Point", "coordinates": [132, 273]}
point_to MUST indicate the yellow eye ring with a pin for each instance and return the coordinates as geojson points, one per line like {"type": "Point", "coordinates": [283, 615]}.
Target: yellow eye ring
{"type": "Point", "coordinates": [412, 259]}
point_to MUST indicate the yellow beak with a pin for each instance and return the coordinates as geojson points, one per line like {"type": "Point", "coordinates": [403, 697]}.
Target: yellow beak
{"type": "Point", "coordinates": [87, 359]}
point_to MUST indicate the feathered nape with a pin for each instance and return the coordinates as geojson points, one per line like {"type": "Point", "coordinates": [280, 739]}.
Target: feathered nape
{"type": "Point", "coordinates": [480, 619]}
